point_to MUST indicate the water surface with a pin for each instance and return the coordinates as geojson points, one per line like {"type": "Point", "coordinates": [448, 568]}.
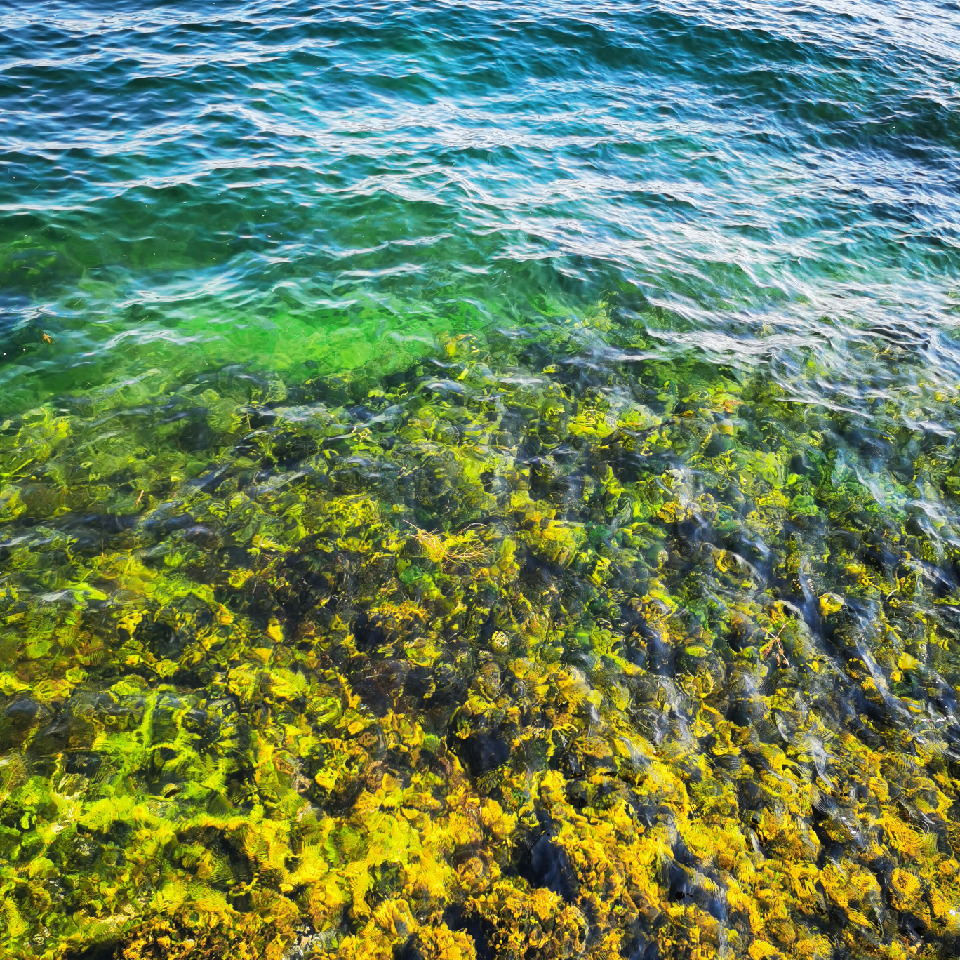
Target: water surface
{"type": "Point", "coordinates": [479, 480]}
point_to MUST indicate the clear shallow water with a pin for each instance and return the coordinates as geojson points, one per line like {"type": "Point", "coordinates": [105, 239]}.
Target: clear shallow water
{"type": "Point", "coordinates": [480, 362]}
{"type": "Point", "coordinates": [185, 183]}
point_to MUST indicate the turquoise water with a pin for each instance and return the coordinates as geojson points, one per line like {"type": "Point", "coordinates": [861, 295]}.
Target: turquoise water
{"type": "Point", "coordinates": [275, 183]}
{"type": "Point", "coordinates": [384, 386]}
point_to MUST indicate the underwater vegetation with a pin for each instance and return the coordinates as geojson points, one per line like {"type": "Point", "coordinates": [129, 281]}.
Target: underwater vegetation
{"type": "Point", "coordinates": [503, 655]}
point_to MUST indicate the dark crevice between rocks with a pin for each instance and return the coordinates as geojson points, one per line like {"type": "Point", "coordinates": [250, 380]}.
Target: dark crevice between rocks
{"type": "Point", "coordinates": [542, 862]}
{"type": "Point", "coordinates": [481, 931]}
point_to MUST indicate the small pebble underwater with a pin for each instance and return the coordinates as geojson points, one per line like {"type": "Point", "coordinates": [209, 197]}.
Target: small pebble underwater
{"type": "Point", "coordinates": [479, 480]}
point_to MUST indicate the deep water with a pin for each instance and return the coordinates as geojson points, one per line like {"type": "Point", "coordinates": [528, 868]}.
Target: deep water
{"type": "Point", "coordinates": [479, 481]}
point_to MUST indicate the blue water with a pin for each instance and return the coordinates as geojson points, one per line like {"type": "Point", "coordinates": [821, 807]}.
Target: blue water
{"type": "Point", "coordinates": [184, 181]}
{"type": "Point", "coordinates": [448, 446]}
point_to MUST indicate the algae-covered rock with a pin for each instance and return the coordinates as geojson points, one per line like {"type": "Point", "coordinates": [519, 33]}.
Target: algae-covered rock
{"type": "Point", "coordinates": [490, 658]}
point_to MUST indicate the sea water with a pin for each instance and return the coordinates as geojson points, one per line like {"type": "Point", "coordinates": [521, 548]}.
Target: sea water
{"type": "Point", "coordinates": [479, 480]}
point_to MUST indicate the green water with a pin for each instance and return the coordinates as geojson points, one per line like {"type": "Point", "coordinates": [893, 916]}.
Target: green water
{"type": "Point", "coordinates": [479, 482]}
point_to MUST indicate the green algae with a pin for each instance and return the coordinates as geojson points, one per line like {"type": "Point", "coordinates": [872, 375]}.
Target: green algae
{"type": "Point", "coordinates": [515, 657]}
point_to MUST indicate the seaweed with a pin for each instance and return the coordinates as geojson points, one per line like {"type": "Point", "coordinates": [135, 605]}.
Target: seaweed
{"type": "Point", "coordinates": [503, 655]}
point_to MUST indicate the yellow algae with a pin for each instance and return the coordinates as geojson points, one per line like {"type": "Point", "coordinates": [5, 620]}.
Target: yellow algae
{"type": "Point", "coordinates": [503, 668]}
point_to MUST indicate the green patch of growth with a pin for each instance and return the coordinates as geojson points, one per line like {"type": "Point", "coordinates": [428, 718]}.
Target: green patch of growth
{"type": "Point", "coordinates": [530, 657]}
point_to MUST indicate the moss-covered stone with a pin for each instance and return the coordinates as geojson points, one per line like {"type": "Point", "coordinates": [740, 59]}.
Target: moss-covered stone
{"type": "Point", "coordinates": [493, 658]}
